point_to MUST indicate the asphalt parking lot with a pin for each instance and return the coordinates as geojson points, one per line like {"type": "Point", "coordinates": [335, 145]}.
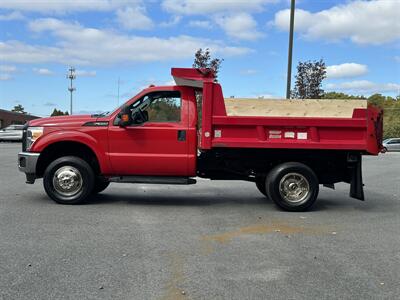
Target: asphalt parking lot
{"type": "Point", "coordinates": [213, 240]}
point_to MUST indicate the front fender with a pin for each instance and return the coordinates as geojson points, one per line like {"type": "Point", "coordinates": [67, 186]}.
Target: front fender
{"type": "Point", "coordinates": [77, 137]}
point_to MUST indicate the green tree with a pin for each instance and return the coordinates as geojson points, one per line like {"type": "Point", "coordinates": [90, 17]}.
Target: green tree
{"type": "Point", "coordinates": [203, 60]}
{"type": "Point", "coordinates": [57, 112]}
{"type": "Point", "coordinates": [19, 109]}
{"type": "Point", "coordinates": [309, 77]}
{"type": "Point", "coordinates": [391, 114]}
{"type": "Point", "coordinates": [336, 95]}
{"type": "Point", "coordinates": [390, 106]}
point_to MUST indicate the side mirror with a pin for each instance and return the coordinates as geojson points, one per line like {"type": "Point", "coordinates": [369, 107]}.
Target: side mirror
{"type": "Point", "coordinates": [125, 117]}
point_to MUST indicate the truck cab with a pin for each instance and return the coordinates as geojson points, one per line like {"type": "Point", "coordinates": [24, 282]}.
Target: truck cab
{"type": "Point", "coordinates": [159, 136]}
{"type": "Point", "coordinates": [173, 134]}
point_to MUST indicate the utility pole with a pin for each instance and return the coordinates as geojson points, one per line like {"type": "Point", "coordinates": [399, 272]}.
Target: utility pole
{"type": "Point", "coordinates": [289, 69]}
{"type": "Point", "coordinates": [71, 76]}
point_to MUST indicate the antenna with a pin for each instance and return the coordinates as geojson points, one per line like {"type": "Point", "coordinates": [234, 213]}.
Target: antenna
{"type": "Point", "coordinates": [118, 91]}
{"type": "Point", "coordinates": [71, 76]}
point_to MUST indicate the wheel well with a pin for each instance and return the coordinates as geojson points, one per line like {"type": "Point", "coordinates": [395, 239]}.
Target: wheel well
{"type": "Point", "coordinates": [59, 149]}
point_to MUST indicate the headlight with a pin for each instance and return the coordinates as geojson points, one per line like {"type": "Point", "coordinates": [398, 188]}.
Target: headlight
{"type": "Point", "coordinates": [32, 134]}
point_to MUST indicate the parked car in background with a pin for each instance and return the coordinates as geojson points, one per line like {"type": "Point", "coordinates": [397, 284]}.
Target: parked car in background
{"type": "Point", "coordinates": [11, 133]}
{"type": "Point", "coordinates": [392, 144]}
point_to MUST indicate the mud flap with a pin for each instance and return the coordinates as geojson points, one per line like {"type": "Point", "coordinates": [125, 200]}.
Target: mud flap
{"type": "Point", "coordinates": [356, 182]}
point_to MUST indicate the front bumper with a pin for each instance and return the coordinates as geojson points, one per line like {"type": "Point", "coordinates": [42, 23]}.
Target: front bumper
{"type": "Point", "coordinates": [27, 163]}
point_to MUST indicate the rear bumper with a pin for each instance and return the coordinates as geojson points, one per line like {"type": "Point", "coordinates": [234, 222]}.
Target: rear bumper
{"type": "Point", "coordinates": [27, 163]}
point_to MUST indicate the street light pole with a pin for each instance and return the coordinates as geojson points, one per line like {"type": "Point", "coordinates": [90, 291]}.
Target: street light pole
{"type": "Point", "coordinates": [71, 75]}
{"type": "Point", "coordinates": [289, 71]}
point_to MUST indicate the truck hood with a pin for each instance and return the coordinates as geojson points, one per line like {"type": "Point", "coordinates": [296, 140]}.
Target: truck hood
{"type": "Point", "coordinates": [63, 121]}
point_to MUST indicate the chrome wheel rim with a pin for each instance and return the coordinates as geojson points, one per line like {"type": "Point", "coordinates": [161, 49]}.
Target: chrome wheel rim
{"type": "Point", "coordinates": [67, 181]}
{"type": "Point", "coordinates": [294, 188]}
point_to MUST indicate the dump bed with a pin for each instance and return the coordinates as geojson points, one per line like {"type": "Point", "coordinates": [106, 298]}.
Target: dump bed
{"type": "Point", "coordinates": [285, 124]}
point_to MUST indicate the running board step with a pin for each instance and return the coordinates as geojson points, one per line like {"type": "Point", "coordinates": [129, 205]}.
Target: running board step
{"type": "Point", "coordinates": [153, 179]}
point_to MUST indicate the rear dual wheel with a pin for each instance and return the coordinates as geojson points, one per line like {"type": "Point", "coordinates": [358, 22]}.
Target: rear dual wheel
{"type": "Point", "coordinates": [292, 186]}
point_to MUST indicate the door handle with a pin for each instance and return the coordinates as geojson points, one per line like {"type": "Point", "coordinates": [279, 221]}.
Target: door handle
{"type": "Point", "coordinates": [181, 135]}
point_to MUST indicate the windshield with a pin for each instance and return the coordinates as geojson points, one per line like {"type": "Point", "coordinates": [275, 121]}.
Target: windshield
{"type": "Point", "coordinates": [107, 113]}
{"type": "Point", "coordinates": [103, 114]}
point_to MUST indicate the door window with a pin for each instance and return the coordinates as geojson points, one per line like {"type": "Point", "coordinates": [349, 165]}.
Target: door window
{"type": "Point", "coordinates": [162, 106]}
{"type": "Point", "coordinates": [165, 107]}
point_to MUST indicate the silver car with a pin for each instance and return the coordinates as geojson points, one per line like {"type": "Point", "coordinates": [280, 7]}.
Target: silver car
{"type": "Point", "coordinates": [11, 133]}
{"type": "Point", "coordinates": [391, 145]}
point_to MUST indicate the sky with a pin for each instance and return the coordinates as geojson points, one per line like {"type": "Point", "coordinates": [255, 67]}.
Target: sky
{"type": "Point", "coordinates": [137, 42]}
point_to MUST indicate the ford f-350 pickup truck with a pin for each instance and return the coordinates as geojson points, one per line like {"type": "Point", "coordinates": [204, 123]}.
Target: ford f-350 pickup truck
{"type": "Point", "coordinates": [173, 134]}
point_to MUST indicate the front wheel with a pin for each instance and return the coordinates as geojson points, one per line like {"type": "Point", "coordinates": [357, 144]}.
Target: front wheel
{"type": "Point", "coordinates": [68, 180]}
{"type": "Point", "coordinates": [293, 186]}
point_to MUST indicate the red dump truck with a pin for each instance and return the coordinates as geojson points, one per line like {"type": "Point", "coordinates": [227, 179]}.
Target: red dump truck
{"type": "Point", "coordinates": [173, 134]}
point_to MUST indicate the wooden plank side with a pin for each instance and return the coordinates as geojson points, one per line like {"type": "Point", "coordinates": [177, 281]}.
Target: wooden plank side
{"type": "Point", "coordinates": [292, 108]}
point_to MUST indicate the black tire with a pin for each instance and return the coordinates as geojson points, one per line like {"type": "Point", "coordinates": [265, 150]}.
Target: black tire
{"type": "Point", "coordinates": [298, 173]}
{"type": "Point", "coordinates": [99, 186]}
{"type": "Point", "coordinates": [75, 163]}
{"type": "Point", "coordinates": [260, 184]}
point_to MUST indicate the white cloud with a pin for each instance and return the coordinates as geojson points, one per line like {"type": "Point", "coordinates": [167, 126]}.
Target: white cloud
{"type": "Point", "coordinates": [4, 77]}
{"type": "Point", "coordinates": [397, 58]}
{"type": "Point", "coordinates": [265, 96]}
{"type": "Point", "coordinates": [200, 24]}
{"type": "Point", "coordinates": [79, 45]}
{"type": "Point", "coordinates": [63, 6]}
{"type": "Point", "coordinates": [197, 7]}
{"type": "Point", "coordinates": [363, 22]}
{"type": "Point", "coordinates": [43, 71]}
{"type": "Point", "coordinates": [233, 16]}
{"type": "Point", "coordinates": [134, 18]}
{"type": "Point", "coordinates": [55, 25]}
{"type": "Point", "coordinates": [175, 20]}
{"type": "Point", "coordinates": [15, 15]}
{"type": "Point", "coordinates": [248, 72]}
{"type": "Point", "coordinates": [346, 70]}
{"type": "Point", "coordinates": [363, 86]}
{"type": "Point", "coordinates": [241, 26]}
{"type": "Point", "coordinates": [84, 73]}
{"type": "Point", "coordinates": [5, 71]}
{"type": "Point", "coordinates": [8, 68]}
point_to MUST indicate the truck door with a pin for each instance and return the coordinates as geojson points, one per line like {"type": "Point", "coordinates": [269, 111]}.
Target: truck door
{"type": "Point", "coordinates": [160, 145]}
